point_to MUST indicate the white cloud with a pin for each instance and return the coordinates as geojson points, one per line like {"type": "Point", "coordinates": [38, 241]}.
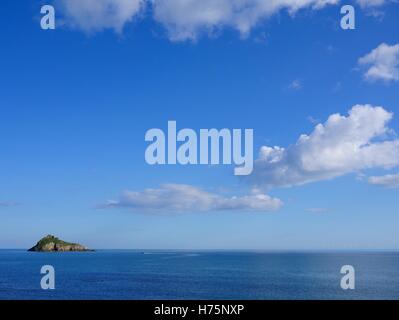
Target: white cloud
{"type": "Point", "coordinates": [342, 145]}
{"type": "Point", "coordinates": [186, 19]}
{"type": "Point", "coordinates": [371, 3]}
{"type": "Point", "coordinates": [97, 15]}
{"type": "Point", "coordinates": [382, 63]}
{"type": "Point", "coordinates": [389, 180]}
{"type": "Point", "coordinates": [180, 198]}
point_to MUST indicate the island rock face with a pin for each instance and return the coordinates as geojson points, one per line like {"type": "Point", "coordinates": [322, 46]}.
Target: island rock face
{"type": "Point", "coordinates": [53, 244]}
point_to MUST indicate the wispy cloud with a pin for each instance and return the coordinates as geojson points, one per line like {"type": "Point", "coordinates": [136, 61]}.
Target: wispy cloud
{"type": "Point", "coordinates": [342, 145]}
{"type": "Point", "coordinates": [97, 15]}
{"type": "Point", "coordinates": [8, 204]}
{"type": "Point", "coordinates": [371, 3]}
{"type": "Point", "coordinates": [296, 85]}
{"type": "Point", "coordinates": [313, 120]}
{"type": "Point", "coordinates": [317, 210]}
{"type": "Point", "coordinates": [181, 198]}
{"type": "Point", "coordinates": [389, 180]}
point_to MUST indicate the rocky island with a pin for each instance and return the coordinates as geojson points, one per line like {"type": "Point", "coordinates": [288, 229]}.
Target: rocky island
{"type": "Point", "coordinates": [51, 243]}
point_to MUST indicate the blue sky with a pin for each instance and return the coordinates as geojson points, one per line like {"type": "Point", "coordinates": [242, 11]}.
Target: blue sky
{"type": "Point", "coordinates": [76, 102]}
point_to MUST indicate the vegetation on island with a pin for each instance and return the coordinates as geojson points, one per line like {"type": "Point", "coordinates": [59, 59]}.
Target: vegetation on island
{"type": "Point", "coordinates": [51, 243]}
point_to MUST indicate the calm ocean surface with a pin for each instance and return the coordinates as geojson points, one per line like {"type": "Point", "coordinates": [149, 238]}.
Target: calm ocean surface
{"type": "Point", "coordinates": [117, 274]}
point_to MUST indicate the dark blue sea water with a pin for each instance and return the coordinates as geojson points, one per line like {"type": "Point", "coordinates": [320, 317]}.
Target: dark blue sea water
{"type": "Point", "coordinates": [198, 275]}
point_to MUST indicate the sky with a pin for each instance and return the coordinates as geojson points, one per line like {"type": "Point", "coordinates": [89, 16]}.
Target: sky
{"type": "Point", "coordinates": [77, 101]}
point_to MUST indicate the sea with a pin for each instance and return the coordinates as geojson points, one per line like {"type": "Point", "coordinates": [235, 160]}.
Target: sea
{"type": "Point", "coordinates": [198, 275]}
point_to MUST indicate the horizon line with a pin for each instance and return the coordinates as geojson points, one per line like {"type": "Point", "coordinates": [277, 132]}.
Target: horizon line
{"type": "Point", "coordinates": [234, 250]}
